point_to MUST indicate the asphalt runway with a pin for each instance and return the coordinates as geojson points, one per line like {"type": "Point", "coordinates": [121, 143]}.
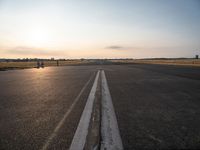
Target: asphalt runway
{"type": "Point", "coordinates": [156, 106]}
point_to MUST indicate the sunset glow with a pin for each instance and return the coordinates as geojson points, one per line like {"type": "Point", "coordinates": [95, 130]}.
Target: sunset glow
{"type": "Point", "coordinates": [99, 29]}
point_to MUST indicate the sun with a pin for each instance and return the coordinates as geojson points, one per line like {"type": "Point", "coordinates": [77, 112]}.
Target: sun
{"type": "Point", "coordinates": [38, 36]}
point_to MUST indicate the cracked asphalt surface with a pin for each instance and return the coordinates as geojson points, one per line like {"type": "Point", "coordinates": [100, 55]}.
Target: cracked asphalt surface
{"type": "Point", "coordinates": [157, 106]}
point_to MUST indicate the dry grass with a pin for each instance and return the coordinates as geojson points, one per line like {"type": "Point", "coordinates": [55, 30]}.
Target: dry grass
{"type": "Point", "coordinates": [186, 62]}
{"type": "Point", "coordinates": [33, 64]}
{"type": "Point", "coordinates": [17, 64]}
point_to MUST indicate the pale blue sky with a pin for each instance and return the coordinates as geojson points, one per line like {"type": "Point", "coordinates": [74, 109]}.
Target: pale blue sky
{"type": "Point", "coordinates": [99, 28]}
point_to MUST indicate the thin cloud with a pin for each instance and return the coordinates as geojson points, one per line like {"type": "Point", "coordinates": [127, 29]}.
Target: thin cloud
{"type": "Point", "coordinates": [118, 47]}
{"type": "Point", "coordinates": [114, 47]}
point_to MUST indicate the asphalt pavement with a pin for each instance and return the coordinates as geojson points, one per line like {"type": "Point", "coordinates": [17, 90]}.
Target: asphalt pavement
{"type": "Point", "coordinates": [156, 106]}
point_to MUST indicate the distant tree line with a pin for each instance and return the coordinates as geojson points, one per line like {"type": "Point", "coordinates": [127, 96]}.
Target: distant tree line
{"type": "Point", "coordinates": [52, 59]}
{"type": "Point", "coordinates": [31, 59]}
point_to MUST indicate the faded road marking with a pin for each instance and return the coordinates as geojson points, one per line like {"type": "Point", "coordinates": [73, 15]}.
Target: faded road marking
{"type": "Point", "coordinates": [111, 139]}
{"type": "Point", "coordinates": [60, 124]}
{"type": "Point", "coordinates": [79, 139]}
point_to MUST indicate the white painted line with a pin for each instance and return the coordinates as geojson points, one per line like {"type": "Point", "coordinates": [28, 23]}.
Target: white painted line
{"type": "Point", "coordinates": [79, 139]}
{"type": "Point", "coordinates": [60, 124]}
{"type": "Point", "coordinates": [111, 139]}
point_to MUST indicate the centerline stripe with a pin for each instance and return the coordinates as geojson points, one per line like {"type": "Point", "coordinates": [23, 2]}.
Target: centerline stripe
{"type": "Point", "coordinates": [110, 134]}
{"type": "Point", "coordinates": [79, 139]}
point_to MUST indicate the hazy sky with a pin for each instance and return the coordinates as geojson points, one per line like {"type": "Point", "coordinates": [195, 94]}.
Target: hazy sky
{"type": "Point", "coordinates": [99, 28]}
